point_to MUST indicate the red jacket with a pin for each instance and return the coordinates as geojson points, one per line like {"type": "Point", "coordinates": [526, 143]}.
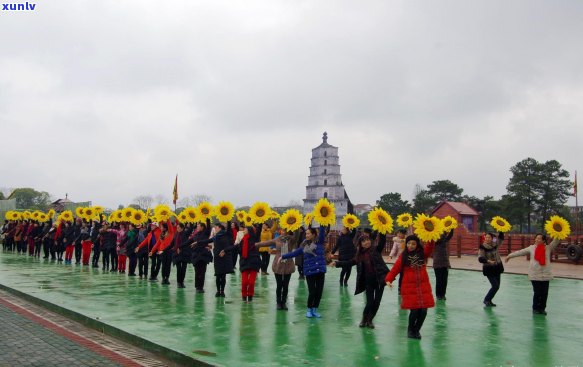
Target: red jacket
{"type": "Point", "coordinates": [146, 242]}
{"type": "Point", "coordinates": [415, 290]}
{"type": "Point", "coordinates": [162, 245]}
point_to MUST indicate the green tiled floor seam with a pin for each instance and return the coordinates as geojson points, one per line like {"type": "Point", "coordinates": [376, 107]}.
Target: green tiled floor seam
{"type": "Point", "coordinates": [106, 329]}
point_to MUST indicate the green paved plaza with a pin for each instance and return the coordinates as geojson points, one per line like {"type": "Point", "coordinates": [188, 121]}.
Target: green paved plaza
{"type": "Point", "coordinates": [458, 332]}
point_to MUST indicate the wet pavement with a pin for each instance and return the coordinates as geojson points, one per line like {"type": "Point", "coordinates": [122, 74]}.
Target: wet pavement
{"type": "Point", "coordinates": [228, 332]}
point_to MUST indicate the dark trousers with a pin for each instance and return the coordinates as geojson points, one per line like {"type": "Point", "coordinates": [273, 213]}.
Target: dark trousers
{"type": "Point", "coordinates": [315, 289]}
{"type": "Point", "coordinates": [143, 264]}
{"type": "Point", "coordinates": [282, 281]}
{"type": "Point", "coordinates": [46, 248]}
{"type": "Point", "coordinates": [235, 256]}
{"type": "Point", "coordinates": [105, 258]}
{"type": "Point", "coordinates": [37, 245]}
{"type": "Point", "coordinates": [156, 263]}
{"type": "Point", "coordinates": [374, 295]}
{"type": "Point", "coordinates": [53, 251]}
{"type": "Point", "coordinates": [495, 283]}
{"type": "Point", "coordinates": [301, 271]}
{"type": "Point", "coordinates": [78, 250]}
{"type": "Point", "coordinates": [199, 275]}
{"type": "Point", "coordinates": [113, 256]}
{"type": "Point", "coordinates": [416, 319]}
{"type": "Point", "coordinates": [345, 274]}
{"type": "Point", "coordinates": [221, 281]}
{"type": "Point", "coordinates": [133, 262]}
{"type": "Point", "coordinates": [181, 267]}
{"type": "Point", "coordinates": [166, 264]}
{"type": "Point", "coordinates": [541, 293]}
{"type": "Point", "coordinates": [96, 254]}
{"type": "Point", "coordinates": [441, 275]}
{"type": "Point", "coordinates": [264, 261]}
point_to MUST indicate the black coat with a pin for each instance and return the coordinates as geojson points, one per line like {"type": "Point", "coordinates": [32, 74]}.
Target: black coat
{"type": "Point", "coordinates": [181, 243]}
{"type": "Point", "coordinates": [223, 241]}
{"type": "Point", "coordinates": [200, 252]}
{"type": "Point", "coordinates": [345, 246]}
{"type": "Point", "coordinates": [253, 260]}
{"type": "Point", "coordinates": [380, 267]}
{"type": "Point", "coordinates": [131, 242]}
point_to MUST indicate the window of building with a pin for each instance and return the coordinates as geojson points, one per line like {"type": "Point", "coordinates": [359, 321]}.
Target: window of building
{"type": "Point", "coordinates": [325, 162]}
{"type": "Point", "coordinates": [325, 171]}
{"type": "Point", "coordinates": [325, 195]}
{"type": "Point", "coordinates": [468, 221]}
{"type": "Point", "coordinates": [325, 154]}
{"type": "Point", "coordinates": [325, 182]}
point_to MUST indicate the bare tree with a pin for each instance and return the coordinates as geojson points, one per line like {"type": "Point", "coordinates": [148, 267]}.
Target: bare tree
{"type": "Point", "coordinates": [161, 199]}
{"type": "Point", "coordinates": [143, 201]}
{"type": "Point", "coordinates": [295, 203]}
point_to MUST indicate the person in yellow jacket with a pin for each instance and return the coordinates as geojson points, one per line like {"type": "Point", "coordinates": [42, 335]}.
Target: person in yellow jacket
{"type": "Point", "coordinates": [266, 235]}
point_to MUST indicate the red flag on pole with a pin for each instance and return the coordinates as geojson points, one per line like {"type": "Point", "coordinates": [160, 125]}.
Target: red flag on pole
{"type": "Point", "coordinates": [175, 192]}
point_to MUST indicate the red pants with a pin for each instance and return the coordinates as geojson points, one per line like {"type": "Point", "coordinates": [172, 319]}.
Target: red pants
{"type": "Point", "coordinates": [69, 252]}
{"type": "Point", "coordinates": [87, 245]}
{"type": "Point", "coordinates": [121, 262]}
{"type": "Point", "coordinates": [248, 282]}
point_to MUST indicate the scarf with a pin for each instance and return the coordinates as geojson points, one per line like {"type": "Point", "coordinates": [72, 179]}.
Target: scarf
{"type": "Point", "coordinates": [245, 250]}
{"type": "Point", "coordinates": [309, 248]}
{"type": "Point", "coordinates": [540, 254]}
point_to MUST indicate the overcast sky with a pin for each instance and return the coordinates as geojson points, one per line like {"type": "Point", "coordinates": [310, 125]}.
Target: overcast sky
{"type": "Point", "coordinates": [107, 100]}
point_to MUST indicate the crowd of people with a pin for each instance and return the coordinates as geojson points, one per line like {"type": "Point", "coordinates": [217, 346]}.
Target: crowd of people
{"type": "Point", "coordinates": [149, 250]}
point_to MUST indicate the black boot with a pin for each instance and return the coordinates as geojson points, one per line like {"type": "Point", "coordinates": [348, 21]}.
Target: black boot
{"type": "Point", "coordinates": [279, 306]}
{"type": "Point", "coordinates": [411, 332]}
{"type": "Point", "coordinates": [364, 321]}
{"type": "Point", "coordinates": [369, 324]}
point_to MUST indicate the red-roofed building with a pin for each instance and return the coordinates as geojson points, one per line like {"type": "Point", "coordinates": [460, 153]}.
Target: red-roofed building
{"type": "Point", "coordinates": [462, 212]}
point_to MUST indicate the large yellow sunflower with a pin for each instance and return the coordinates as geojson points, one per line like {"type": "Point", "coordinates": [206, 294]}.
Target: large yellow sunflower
{"type": "Point", "coordinates": [119, 215]}
{"type": "Point", "coordinates": [127, 214]}
{"type": "Point", "coordinates": [325, 213]}
{"type": "Point", "coordinates": [51, 213]}
{"type": "Point", "coordinates": [98, 209]}
{"type": "Point", "coordinates": [380, 221]}
{"type": "Point", "coordinates": [89, 213]}
{"type": "Point", "coordinates": [260, 212]}
{"type": "Point", "coordinates": [241, 215]}
{"type": "Point", "coordinates": [428, 228]}
{"type": "Point", "coordinates": [308, 218]}
{"type": "Point", "coordinates": [79, 212]}
{"type": "Point", "coordinates": [205, 210]}
{"type": "Point", "coordinates": [17, 216]}
{"type": "Point", "coordinates": [162, 212]}
{"type": "Point", "coordinates": [500, 224]}
{"type": "Point", "coordinates": [43, 217]}
{"type": "Point", "coordinates": [224, 211]}
{"type": "Point", "coordinates": [138, 217]}
{"type": "Point", "coordinates": [66, 216]}
{"type": "Point", "coordinates": [192, 214]}
{"type": "Point", "coordinates": [291, 220]}
{"type": "Point", "coordinates": [35, 215]}
{"type": "Point", "coordinates": [557, 227]}
{"type": "Point", "coordinates": [26, 215]}
{"type": "Point", "coordinates": [182, 217]}
{"type": "Point", "coordinates": [449, 223]}
{"type": "Point", "coordinates": [248, 221]}
{"type": "Point", "coordinates": [112, 217]}
{"type": "Point", "coordinates": [405, 220]}
{"type": "Point", "coordinates": [350, 221]}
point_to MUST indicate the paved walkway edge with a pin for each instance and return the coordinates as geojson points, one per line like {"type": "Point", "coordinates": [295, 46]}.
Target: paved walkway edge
{"type": "Point", "coordinates": [104, 328]}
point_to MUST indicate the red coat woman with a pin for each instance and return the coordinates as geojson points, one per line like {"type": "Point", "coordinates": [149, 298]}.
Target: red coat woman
{"type": "Point", "coordinates": [416, 293]}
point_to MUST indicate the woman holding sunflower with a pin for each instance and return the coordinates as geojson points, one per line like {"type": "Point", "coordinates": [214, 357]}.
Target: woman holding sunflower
{"type": "Point", "coordinates": [249, 262]}
{"type": "Point", "coordinates": [282, 269]}
{"type": "Point", "coordinates": [266, 235]}
{"type": "Point", "coordinates": [345, 246]}
{"type": "Point", "coordinates": [539, 270]}
{"type": "Point", "coordinates": [314, 266]}
{"type": "Point", "coordinates": [371, 272]}
{"type": "Point", "coordinates": [163, 250]}
{"type": "Point", "coordinates": [201, 254]}
{"type": "Point", "coordinates": [223, 244]}
{"type": "Point", "coordinates": [416, 290]}
{"type": "Point", "coordinates": [492, 266]}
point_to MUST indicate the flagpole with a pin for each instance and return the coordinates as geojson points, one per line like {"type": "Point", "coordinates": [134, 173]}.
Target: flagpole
{"type": "Point", "coordinates": [577, 222]}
